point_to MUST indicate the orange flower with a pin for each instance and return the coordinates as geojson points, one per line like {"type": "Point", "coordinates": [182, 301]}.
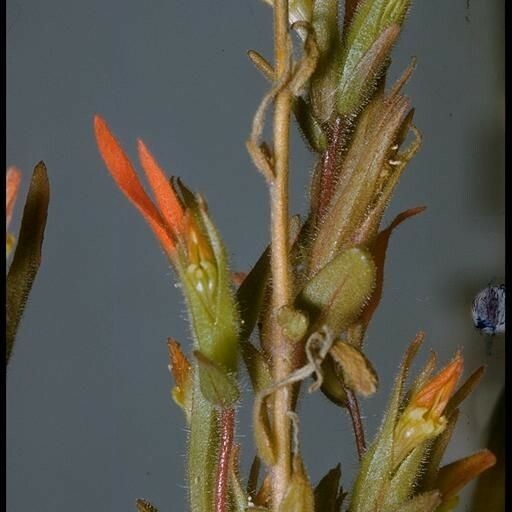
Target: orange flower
{"type": "Point", "coordinates": [167, 218]}
{"type": "Point", "coordinates": [423, 417]}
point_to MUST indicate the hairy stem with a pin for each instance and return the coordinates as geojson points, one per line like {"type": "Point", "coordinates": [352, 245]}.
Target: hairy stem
{"type": "Point", "coordinates": [227, 429]}
{"type": "Point", "coordinates": [203, 451]}
{"type": "Point", "coordinates": [281, 350]}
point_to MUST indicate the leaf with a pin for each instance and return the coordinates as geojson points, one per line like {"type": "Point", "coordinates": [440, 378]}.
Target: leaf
{"type": "Point", "coordinates": [402, 484]}
{"type": "Point", "coordinates": [27, 257]}
{"type": "Point", "coordinates": [359, 375]}
{"type": "Point", "coordinates": [145, 506]}
{"type": "Point", "coordinates": [368, 24]}
{"type": "Point", "coordinates": [257, 367]}
{"type": "Point", "coordinates": [436, 453]}
{"type": "Point", "coordinates": [252, 480]}
{"type": "Point", "coordinates": [357, 84]}
{"type": "Point", "coordinates": [309, 126]}
{"type": "Point", "coordinates": [455, 476]}
{"type": "Point", "coordinates": [262, 431]}
{"type": "Point", "coordinates": [250, 294]}
{"type": "Point", "coordinates": [336, 294]}
{"type": "Point", "coordinates": [218, 386]}
{"type": "Point", "coordinates": [465, 389]}
{"type": "Point", "coordinates": [324, 81]}
{"type": "Point", "coordinates": [328, 492]}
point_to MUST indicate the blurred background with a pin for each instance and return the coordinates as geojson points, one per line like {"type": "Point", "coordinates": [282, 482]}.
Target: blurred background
{"type": "Point", "coordinates": [90, 421]}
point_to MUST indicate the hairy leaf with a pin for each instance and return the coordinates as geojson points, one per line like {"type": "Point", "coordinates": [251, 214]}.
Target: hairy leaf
{"type": "Point", "coordinates": [27, 257]}
{"type": "Point", "coordinates": [337, 293]}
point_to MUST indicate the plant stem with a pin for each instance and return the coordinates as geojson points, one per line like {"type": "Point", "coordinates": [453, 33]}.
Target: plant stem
{"type": "Point", "coordinates": [281, 350]}
{"type": "Point", "coordinates": [227, 428]}
{"type": "Point", "coordinates": [357, 424]}
{"type": "Point", "coordinates": [203, 451]}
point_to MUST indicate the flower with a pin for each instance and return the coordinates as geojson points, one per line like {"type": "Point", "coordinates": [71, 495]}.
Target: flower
{"type": "Point", "coordinates": [12, 187]}
{"type": "Point", "coordinates": [423, 417]}
{"type": "Point", "coordinates": [179, 220]}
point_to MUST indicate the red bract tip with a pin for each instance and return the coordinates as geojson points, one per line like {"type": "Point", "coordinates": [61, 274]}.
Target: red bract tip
{"type": "Point", "coordinates": [124, 175]}
{"type": "Point", "coordinates": [12, 186]}
{"type": "Point", "coordinates": [166, 199]}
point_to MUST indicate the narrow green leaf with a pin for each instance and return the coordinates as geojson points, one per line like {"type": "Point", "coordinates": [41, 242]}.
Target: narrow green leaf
{"type": "Point", "coordinates": [437, 448]}
{"type": "Point", "coordinates": [465, 389]}
{"type": "Point", "coordinates": [326, 76]}
{"type": "Point", "coordinates": [357, 85]}
{"type": "Point", "coordinates": [257, 367]}
{"type": "Point", "coordinates": [27, 256]}
{"type": "Point", "coordinates": [309, 126]}
{"type": "Point", "coordinates": [262, 431]}
{"type": "Point", "coordinates": [402, 484]}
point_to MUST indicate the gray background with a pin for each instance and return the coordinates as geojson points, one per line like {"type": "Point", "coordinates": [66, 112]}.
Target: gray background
{"type": "Point", "coordinates": [90, 423]}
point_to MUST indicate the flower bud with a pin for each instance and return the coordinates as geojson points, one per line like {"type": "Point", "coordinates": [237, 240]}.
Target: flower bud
{"type": "Point", "coordinates": [423, 417]}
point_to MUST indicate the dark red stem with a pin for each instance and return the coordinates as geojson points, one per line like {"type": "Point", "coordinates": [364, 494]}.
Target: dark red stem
{"type": "Point", "coordinates": [357, 424]}
{"type": "Point", "coordinates": [329, 163]}
{"type": "Point", "coordinates": [227, 427]}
